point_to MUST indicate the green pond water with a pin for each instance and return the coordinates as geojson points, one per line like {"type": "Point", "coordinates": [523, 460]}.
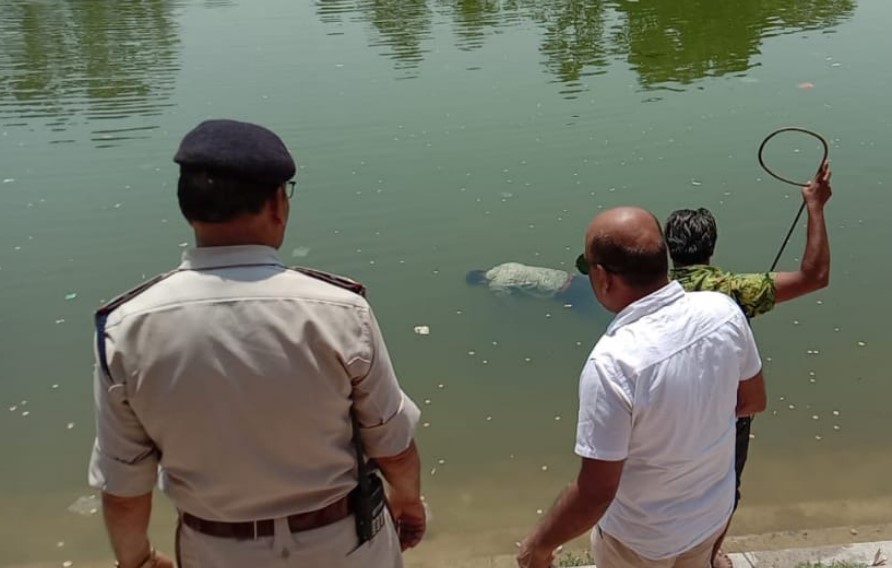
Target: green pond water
{"type": "Point", "coordinates": [435, 137]}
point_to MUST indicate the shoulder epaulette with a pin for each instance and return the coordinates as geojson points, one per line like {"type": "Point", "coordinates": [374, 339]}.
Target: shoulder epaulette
{"type": "Point", "coordinates": [106, 309]}
{"type": "Point", "coordinates": [333, 279]}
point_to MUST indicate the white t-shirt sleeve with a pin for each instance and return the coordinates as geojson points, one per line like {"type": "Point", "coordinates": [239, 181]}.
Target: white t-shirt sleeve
{"type": "Point", "coordinates": [750, 362]}
{"type": "Point", "coordinates": [604, 428]}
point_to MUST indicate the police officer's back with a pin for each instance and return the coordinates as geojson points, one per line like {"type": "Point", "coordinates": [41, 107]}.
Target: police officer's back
{"type": "Point", "coordinates": [245, 381]}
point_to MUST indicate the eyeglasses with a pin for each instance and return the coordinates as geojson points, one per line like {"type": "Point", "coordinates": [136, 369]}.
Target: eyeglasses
{"type": "Point", "coordinates": [289, 188]}
{"type": "Point", "coordinates": [582, 264]}
{"type": "Point", "coordinates": [584, 267]}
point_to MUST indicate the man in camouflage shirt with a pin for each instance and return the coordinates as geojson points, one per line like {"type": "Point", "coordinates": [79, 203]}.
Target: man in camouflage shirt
{"type": "Point", "coordinates": [691, 236]}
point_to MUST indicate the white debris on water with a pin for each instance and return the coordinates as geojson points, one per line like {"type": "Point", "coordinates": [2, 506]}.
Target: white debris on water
{"type": "Point", "coordinates": [300, 252]}
{"type": "Point", "coordinates": [422, 330]}
{"type": "Point", "coordinates": [9, 180]}
{"type": "Point", "coordinates": [87, 505]}
{"type": "Point", "coordinates": [70, 426]}
{"type": "Point", "coordinates": [861, 344]}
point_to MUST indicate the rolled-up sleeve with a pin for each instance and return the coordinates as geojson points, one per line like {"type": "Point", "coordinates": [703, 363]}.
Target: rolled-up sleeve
{"type": "Point", "coordinates": [124, 460]}
{"type": "Point", "coordinates": [387, 416]}
{"type": "Point", "coordinates": [754, 293]}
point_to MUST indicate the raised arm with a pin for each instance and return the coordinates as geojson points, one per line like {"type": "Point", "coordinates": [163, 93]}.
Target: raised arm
{"type": "Point", "coordinates": [814, 271]}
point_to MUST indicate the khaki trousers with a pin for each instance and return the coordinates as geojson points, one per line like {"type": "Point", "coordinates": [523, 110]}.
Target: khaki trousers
{"type": "Point", "coordinates": [611, 553]}
{"type": "Point", "coordinates": [333, 546]}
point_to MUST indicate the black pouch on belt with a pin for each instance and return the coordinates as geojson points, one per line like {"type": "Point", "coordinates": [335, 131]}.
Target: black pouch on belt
{"type": "Point", "coordinates": [367, 500]}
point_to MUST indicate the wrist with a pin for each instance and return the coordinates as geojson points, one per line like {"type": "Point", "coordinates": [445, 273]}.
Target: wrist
{"type": "Point", "coordinates": [403, 496]}
{"type": "Point", "coordinates": [814, 208]}
{"type": "Point", "coordinates": [147, 559]}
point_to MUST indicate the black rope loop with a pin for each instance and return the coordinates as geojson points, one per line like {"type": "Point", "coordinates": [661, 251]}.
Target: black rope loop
{"type": "Point", "coordinates": [812, 133]}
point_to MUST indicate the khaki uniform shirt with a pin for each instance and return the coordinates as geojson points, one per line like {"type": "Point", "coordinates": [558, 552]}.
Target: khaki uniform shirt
{"type": "Point", "coordinates": [754, 293]}
{"type": "Point", "coordinates": [235, 375]}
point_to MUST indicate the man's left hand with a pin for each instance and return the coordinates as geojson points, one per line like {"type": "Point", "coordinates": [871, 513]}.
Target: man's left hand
{"type": "Point", "coordinates": [531, 557]}
{"type": "Point", "coordinates": [410, 518]}
{"type": "Point", "coordinates": [162, 561]}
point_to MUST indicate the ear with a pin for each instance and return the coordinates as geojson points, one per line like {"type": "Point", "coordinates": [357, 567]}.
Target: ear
{"type": "Point", "coordinates": [601, 277]}
{"type": "Point", "coordinates": [279, 207]}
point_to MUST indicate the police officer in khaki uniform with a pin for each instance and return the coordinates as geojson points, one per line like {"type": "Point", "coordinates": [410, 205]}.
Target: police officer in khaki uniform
{"type": "Point", "coordinates": [691, 236]}
{"type": "Point", "coordinates": [254, 391]}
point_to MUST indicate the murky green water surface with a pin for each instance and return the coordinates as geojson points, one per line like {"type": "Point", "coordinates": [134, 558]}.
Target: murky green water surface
{"type": "Point", "coordinates": [436, 137]}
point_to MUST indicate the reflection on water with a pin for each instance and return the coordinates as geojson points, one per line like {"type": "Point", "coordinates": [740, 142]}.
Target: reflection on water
{"type": "Point", "coordinates": [665, 43]}
{"type": "Point", "coordinates": [685, 40]}
{"type": "Point", "coordinates": [96, 61]}
{"type": "Point", "coordinates": [403, 25]}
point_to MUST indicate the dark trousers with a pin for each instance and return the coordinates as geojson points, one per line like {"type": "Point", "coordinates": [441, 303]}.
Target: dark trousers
{"type": "Point", "coordinates": [741, 451]}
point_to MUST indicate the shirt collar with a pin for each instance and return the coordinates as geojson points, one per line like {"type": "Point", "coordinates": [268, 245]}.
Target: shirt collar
{"type": "Point", "coordinates": [695, 267]}
{"type": "Point", "coordinates": [205, 258]}
{"type": "Point", "coordinates": [647, 305]}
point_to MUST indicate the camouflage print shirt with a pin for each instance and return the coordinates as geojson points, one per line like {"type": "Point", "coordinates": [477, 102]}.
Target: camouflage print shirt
{"type": "Point", "coordinates": [754, 293]}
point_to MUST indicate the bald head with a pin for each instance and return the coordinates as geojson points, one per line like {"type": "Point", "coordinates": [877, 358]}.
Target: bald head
{"type": "Point", "coordinates": [628, 241]}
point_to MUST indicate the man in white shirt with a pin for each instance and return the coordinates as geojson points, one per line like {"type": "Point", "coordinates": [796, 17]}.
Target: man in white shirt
{"type": "Point", "coordinates": [658, 399]}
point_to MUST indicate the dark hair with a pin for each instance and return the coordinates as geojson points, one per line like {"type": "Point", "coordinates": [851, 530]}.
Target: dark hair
{"type": "Point", "coordinates": [691, 236]}
{"type": "Point", "coordinates": [217, 197]}
{"type": "Point", "coordinates": [639, 267]}
{"type": "Point", "coordinates": [476, 277]}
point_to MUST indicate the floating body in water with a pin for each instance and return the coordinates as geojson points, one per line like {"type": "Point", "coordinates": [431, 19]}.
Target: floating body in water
{"type": "Point", "coordinates": [573, 291]}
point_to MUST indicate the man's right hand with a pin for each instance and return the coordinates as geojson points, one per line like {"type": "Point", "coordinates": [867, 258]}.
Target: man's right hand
{"type": "Point", "coordinates": [410, 518]}
{"type": "Point", "coordinates": [818, 192]}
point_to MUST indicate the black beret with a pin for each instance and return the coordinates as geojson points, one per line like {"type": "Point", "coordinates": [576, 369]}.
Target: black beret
{"type": "Point", "coordinates": [243, 150]}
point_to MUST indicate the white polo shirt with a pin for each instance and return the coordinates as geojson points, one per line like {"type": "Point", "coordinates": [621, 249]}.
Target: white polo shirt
{"type": "Point", "coordinates": [659, 390]}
